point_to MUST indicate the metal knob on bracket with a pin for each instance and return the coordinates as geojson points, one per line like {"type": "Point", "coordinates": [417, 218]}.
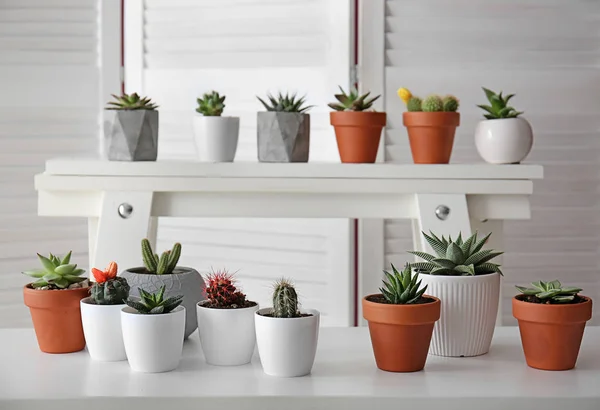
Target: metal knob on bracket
{"type": "Point", "coordinates": [442, 212]}
{"type": "Point", "coordinates": [125, 210]}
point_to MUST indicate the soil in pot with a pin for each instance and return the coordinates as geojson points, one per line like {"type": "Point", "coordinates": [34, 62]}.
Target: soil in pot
{"type": "Point", "coordinates": [551, 334]}
{"type": "Point", "coordinates": [56, 316]}
{"type": "Point", "coordinates": [401, 334]}
{"type": "Point", "coordinates": [358, 134]}
{"type": "Point", "coordinates": [431, 135]}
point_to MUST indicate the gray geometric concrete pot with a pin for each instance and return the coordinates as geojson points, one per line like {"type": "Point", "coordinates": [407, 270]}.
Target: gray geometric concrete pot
{"type": "Point", "coordinates": [283, 136]}
{"type": "Point", "coordinates": [132, 136]}
{"type": "Point", "coordinates": [183, 281]}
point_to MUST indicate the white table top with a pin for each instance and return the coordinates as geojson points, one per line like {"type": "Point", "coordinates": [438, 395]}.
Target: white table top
{"type": "Point", "coordinates": [344, 377]}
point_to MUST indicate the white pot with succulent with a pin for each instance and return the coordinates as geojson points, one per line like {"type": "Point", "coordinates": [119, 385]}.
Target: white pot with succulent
{"type": "Point", "coordinates": [153, 328]}
{"type": "Point", "coordinates": [461, 275]}
{"type": "Point", "coordinates": [503, 137]}
{"type": "Point", "coordinates": [101, 315]}
{"type": "Point", "coordinates": [216, 137]}
{"type": "Point", "coordinates": [285, 335]}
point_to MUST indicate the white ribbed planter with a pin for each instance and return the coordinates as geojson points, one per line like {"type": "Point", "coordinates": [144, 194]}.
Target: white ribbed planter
{"type": "Point", "coordinates": [469, 309]}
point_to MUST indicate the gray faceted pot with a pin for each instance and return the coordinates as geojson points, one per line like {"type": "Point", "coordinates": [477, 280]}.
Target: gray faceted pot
{"type": "Point", "coordinates": [283, 136]}
{"type": "Point", "coordinates": [132, 136]}
{"type": "Point", "coordinates": [183, 281]}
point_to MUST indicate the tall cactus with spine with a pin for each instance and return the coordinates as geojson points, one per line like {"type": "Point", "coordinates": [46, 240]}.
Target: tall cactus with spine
{"type": "Point", "coordinates": [109, 289]}
{"type": "Point", "coordinates": [165, 264]}
{"type": "Point", "coordinates": [285, 300]}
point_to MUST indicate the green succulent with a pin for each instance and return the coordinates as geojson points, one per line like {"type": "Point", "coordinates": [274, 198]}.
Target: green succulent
{"type": "Point", "coordinates": [285, 299]}
{"type": "Point", "coordinates": [211, 104]}
{"type": "Point", "coordinates": [131, 102]}
{"type": "Point", "coordinates": [457, 258]}
{"type": "Point", "coordinates": [432, 103]}
{"type": "Point", "coordinates": [154, 303]}
{"type": "Point", "coordinates": [352, 101]}
{"type": "Point", "coordinates": [402, 288]}
{"type": "Point", "coordinates": [285, 103]}
{"type": "Point", "coordinates": [450, 103]}
{"type": "Point", "coordinates": [550, 292]}
{"type": "Point", "coordinates": [163, 265]}
{"type": "Point", "coordinates": [56, 273]}
{"type": "Point", "coordinates": [414, 104]}
{"type": "Point", "coordinates": [498, 107]}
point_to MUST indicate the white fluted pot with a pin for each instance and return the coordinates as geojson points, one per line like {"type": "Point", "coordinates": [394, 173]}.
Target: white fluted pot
{"type": "Point", "coordinates": [469, 310]}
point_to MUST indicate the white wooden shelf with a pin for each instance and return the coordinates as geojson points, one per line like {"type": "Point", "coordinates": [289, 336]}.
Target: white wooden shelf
{"type": "Point", "coordinates": [344, 377]}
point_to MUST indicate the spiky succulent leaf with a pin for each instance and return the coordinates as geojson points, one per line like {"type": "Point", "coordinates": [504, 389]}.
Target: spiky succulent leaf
{"type": "Point", "coordinates": [402, 288]}
{"type": "Point", "coordinates": [211, 104]}
{"type": "Point", "coordinates": [550, 292]}
{"type": "Point", "coordinates": [352, 101]}
{"type": "Point", "coordinates": [285, 103]}
{"type": "Point", "coordinates": [498, 107]}
{"type": "Point", "coordinates": [131, 102]}
{"type": "Point", "coordinates": [153, 303]}
{"type": "Point", "coordinates": [54, 273]}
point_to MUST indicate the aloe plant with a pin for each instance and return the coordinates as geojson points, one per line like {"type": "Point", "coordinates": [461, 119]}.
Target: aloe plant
{"type": "Point", "coordinates": [154, 303]}
{"type": "Point", "coordinates": [353, 101]}
{"type": "Point", "coordinates": [285, 103]}
{"type": "Point", "coordinates": [498, 107]}
{"type": "Point", "coordinates": [131, 102]}
{"type": "Point", "coordinates": [550, 292]}
{"type": "Point", "coordinates": [56, 273]}
{"type": "Point", "coordinates": [402, 288]}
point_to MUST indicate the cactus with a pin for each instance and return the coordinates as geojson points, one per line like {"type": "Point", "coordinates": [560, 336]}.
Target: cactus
{"type": "Point", "coordinates": [221, 291]}
{"type": "Point", "coordinates": [498, 107]}
{"type": "Point", "coordinates": [285, 103]}
{"type": "Point", "coordinates": [549, 292]}
{"type": "Point", "coordinates": [285, 300]}
{"type": "Point", "coordinates": [167, 262]}
{"type": "Point", "coordinates": [108, 288]}
{"type": "Point", "coordinates": [433, 103]}
{"type": "Point", "coordinates": [211, 104]}
{"type": "Point", "coordinates": [352, 101]}
{"type": "Point", "coordinates": [402, 288]}
{"type": "Point", "coordinates": [56, 273]}
{"type": "Point", "coordinates": [154, 303]}
{"type": "Point", "coordinates": [414, 104]}
{"type": "Point", "coordinates": [450, 103]}
{"type": "Point", "coordinates": [131, 102]}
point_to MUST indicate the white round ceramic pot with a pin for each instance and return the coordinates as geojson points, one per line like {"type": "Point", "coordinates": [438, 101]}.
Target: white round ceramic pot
{"type": "Point", "coordinates": [227, 336]}
{"type": "Point", "coordinates": [102, 330]}
{"type": "Point", "coordinates": [504, 141]}
{"type": "Point", "coordinates": [153, 343]}
{"type": "Point", "coordinates": [216, 138]}
{"type": "Point", "coordinates": [287, 346]}
{"type": "Point", "coordinates": [469, 310]}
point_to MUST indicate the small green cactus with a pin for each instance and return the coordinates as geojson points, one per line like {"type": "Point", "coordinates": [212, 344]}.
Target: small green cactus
{"type": "Point", "coordinates": [285, 300]}
{"type": "Point", "coordinates": [154, 303]}
{"type": "Point", "coordinates": [433, 103]}
{"type": "Point", "coordinates": [56, 273]}
{"type": "Point", "coordinates": [450, 103]}
{"type": "Point", "coordinates": [211, 104]}
{"type": "Point", "coordinates": [163, 265]}
{"type": "Point", "coordinates": [414, 104]}
{"type": "Point", "coordinates": [112, 292]}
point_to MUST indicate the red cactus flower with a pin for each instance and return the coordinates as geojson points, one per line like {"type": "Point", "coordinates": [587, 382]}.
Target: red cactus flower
{"type": "Point", "coordinates": [109, 273]}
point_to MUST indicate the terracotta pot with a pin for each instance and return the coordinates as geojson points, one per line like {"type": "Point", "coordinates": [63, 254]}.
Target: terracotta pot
{"type": "Point", "coordinates": [400, 334]}
{"type": "Point", "coordinates": [551, 334]}
{"type": "Point", "coordinates": [431, 135]}
{"type": "Point", "coordinates": [358, 134]}
{"type": "Point", "coordinates": [56, 318]}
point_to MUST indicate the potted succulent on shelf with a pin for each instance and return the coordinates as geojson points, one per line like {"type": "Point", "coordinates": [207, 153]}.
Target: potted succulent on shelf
{"type": "Point", "coordinates": [226, 322]}
{"type": "Point", "coordinates": [216, 136]}
{"type": "Point", "coordinates": [431, 124]}
{"type": "Point", "coordinates": [53, 301]}
{"type": "Point", "coordinates": [153, 329]}
{"type": "Point", "coordinates": [401, 320]}
{"type": "Point", "coordinates": [163, 270]}
{"type": "Point", "coordinates": [283, 131]}
{"type": "Point", "coordinates": [101, 315]}
{"type": "Point", "coordinates": [357, 126]}
{"type": "Point", "coordinates": [503, 137]}
{"type": "Point", "coordinates": [133, 133]}
{"type": "Point", "coordinates": [552, 320]}
{"type": "Point", "coordinates": [286, 336]}
{"type": "Point", "coordinates": [461, 275]}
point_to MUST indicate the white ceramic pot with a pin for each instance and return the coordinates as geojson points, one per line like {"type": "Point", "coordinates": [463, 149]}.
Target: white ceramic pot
{"type": "Point", "coordinates": [153, 343]}
{"type": "Point", "coordinates": [287, 346]}
{"type": "Point", "coordinates": [216, 138]}
{"type": "Point", "coordinates": [469, 309]}
{"type": "Point", "coordinates": [227, 336]}
{"type": "Point", "coordinates": [504, 141]}
{"type": "Point", "coordinates": [102, 330]}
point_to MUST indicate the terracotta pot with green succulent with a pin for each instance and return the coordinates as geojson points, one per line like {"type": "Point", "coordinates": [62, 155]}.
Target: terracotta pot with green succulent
{"type": "Point", "coordinates": [53, 300]}
{"type": "Point", "coordinates": [401, 320]}
{"type": "Point", "coordinates": [552, 320]}
{"type": "Point", "coordinates": [357, 126]}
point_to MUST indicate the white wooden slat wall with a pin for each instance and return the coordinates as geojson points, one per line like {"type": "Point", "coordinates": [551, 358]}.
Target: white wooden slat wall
{"type": "Point", "coordinates": [175, 50]}
{"type": "Point", "coordinates": [49, 82]}
{"type": "Point", "coordinates": [545, 51]}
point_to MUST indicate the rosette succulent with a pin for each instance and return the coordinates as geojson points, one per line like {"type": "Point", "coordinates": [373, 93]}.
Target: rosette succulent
{"type": "Point", "coordinates": [154, 303]}
{"type": "Point", "coordinates": [56, 273]}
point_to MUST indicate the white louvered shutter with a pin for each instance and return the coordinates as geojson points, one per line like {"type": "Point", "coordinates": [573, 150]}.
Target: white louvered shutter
{"type": "Point", "coordinates": [545, 51]}
{"type": "Point", "coordinates": [175, 50]}
{"type": "Point", "coordinates": [49, 106]}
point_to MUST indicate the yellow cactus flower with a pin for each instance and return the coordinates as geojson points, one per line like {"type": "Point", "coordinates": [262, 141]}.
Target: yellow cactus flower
{"type": "Point", "coordinates": [404, 94]}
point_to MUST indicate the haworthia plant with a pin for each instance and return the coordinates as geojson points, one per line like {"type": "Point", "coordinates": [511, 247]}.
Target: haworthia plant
{"type": "Point", "coordinates": [402, 288]}
{"type": "Point", "coordinates": [550, 292]}
{"type": "Point", "coordinates": [154, 303]}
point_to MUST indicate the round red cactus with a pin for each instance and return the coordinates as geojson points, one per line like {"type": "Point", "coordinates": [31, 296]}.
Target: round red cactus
{"type": "Point", "coordinates": [109, 273]}
{"type": "Point", "coordinates": [221, 291]}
